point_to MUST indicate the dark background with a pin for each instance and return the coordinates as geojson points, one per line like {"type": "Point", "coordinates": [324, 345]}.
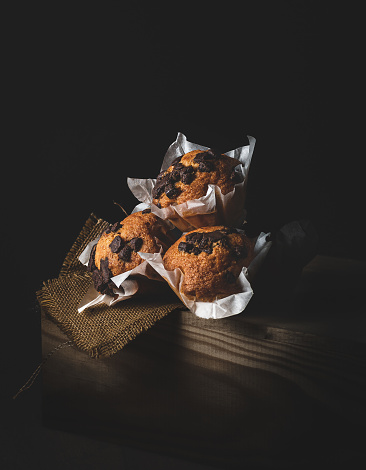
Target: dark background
{"type": "Point", "coordinates": [98, 93]}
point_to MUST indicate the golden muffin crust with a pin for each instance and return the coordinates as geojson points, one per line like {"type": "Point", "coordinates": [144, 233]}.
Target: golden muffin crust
{"type": "Point", "coordinates": [117, 249]}
{"type": "Point", "coordinates": [189, 176]}
{"type": "Point", "coordinates": [211, 259]}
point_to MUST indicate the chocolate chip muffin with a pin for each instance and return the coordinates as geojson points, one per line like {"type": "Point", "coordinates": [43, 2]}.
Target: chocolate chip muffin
{"type": "Point", "coordinates": [189, 175]}
{"type": "Point", "coordinates": [211, 259]}
{"type": "Point", "coordinates": [117, 249]}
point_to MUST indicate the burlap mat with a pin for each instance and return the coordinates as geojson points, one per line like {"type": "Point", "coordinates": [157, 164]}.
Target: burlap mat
{"type": "Point", "coordinates": [102, 330]}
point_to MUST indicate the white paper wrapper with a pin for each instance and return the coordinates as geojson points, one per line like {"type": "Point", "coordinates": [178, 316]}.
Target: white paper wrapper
{"type": "Point", "coordinates": [125, 288]}
{"type": "Point", "coordinates": [212, 209]}
{"type": "Point", "coordinates": [220, 308]}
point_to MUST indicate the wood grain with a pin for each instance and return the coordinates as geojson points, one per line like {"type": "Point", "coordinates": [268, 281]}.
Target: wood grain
{"type": "Point", "coordinates": [229, 392]}
{"type": "Point", "coordinates": [208, 395]}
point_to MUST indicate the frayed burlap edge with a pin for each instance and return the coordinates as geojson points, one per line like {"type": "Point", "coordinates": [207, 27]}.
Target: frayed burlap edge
{"type": "Point", "coordinates": [92, 228]}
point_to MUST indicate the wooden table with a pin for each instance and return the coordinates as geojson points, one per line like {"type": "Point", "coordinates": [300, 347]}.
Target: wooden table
{"type": "Point", "coordinates": [269, 388]}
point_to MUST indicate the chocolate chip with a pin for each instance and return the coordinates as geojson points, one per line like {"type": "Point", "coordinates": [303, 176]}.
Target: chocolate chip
{"type": "Point", "coordinates": [194, 237]}
{"type": "Point", "coordinates": [205, 244]}
{"type": "Point", "coordinates": [136, 243]}
{"type": "Point", "coordinates": [116, 244]}
{"type": "Point", "coordinates": [174, 176]}
{"type": "Point", "coordinates": [186, 169]}
{"type": "Point", "coordinates": [240, 251]}
{"type": "Point", "coordinates": [187, 178]}
{"type": "Point", "coordinates": [216, 235]}
{"type": "Point", "coordinates": [146, 211]}
{"type": "Point", "coordinates": [229, 277]}
{"type": "Point", "coordinates": [203, 157]}
{"type": "Point", "coordinates": [179, 166]}
{"type": "Point", "coordinates": [107, 288]}
{"type": "Point", "coordinates": [206, 167]}
{"type": "Point", "coordinates": [171, 191]}
{"type": "Point", "coordinates": [101, 284]}
{"type": "Point", "coordinates": [162, 178]}
{"type": "Point", "coordinates": [158, 205]}
{"type": "Point", "coordinates": [185, 247]}
{"type": "Point", "coordinates": [199, 158]}
{"type": "Point", "coordinates": [161, 175]}
{"type": "Point", "coordinates": [158, 190]}
{"type": "Point", "coordinates": [125, 253]}
{"type": "Point", "coordinates": [91, 263]}
{"type": "Point", "coordinates": [187, 174]}
{"type": "Point", "coordinates": [97, 279]}
{"type": "Point", "coordinates": [204, 241]}
{"type": "Point", "coordinates": [196, 250]}
{"type": "Point", "coordinates": [176, 160]}
{"type": "Point", "coordinates": [106, 272]}
{"type": "Point", "coordinates": [115, 227]}
{"type": "Point", "coordinates": [214, 152]}
{"type": "Point", "coordinates": [166, 183]}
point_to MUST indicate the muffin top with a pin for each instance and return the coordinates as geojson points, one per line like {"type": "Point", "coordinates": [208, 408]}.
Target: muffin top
{"type": "Point", "coordinates": [117, 249]}
{"type": "Point", "coordinates": [211, 259]}
{"type": "Point", "coordinates": [189, 175]}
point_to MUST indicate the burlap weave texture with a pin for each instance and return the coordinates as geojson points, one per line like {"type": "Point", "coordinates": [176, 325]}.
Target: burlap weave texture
{"type": "Point", "coordinates": [102, 330]}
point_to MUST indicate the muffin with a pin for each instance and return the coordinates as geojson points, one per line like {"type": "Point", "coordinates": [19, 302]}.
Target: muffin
{"type": "Point", "coordinates": [188, 177]}
{"type": "Point", "coordinates": [211, 259]}
{"type": "Point", "coordinates": [117, 249]}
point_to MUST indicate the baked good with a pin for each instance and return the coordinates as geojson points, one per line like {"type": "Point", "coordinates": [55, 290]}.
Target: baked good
{"type": "Point", "coordinates": [189, 175]}
{"type": "Point", "coordinates": [187, 179]}
{"type": "Point", "coordinates": [211, 259]}
{"type": "Point", "coordinates": [117, 249]}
